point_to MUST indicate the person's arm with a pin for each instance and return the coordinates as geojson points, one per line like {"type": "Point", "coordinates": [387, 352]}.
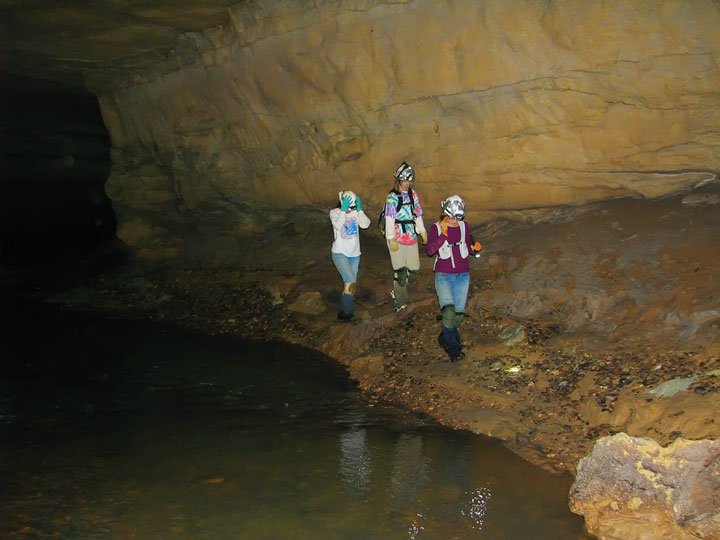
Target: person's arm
{"type": "Point", "coordinates": [363, 220]}
{"type": "Point", "coordinates": [390, 211]}
{"type": "Point", "coordinates": [473, 245]}
{"type": "Point", "coordinates": [435, 241]}
{"type": "Point", "coordinates": [337, 218]}
{"type": "Point", "coordinates": [420, 229]}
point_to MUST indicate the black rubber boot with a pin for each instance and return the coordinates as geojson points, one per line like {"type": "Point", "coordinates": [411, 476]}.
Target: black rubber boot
{"type": "Point", "coordinates": [441, 340]}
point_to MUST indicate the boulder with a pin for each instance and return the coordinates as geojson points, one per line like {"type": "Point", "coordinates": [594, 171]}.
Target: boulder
{"type": "Point", "coordinates": [309, 303]}
{"type": "Point", "coordinates": [633, 489]}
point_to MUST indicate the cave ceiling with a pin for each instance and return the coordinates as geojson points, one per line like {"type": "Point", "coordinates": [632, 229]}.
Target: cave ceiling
{"type": "Point", "coordinates": [60, 40]}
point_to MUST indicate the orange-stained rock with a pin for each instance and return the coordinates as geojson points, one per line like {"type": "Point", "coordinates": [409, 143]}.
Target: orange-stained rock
{"type": "Point", "coordinates": [632, 488]}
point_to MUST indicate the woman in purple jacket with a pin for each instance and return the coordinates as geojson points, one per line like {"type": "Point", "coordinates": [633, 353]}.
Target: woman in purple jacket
{"type": "Point", "coordinates": [450, 241]}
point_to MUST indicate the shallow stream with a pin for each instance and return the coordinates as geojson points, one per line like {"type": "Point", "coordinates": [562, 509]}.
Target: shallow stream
{"type": "Point", "coordinates": [117, 429]}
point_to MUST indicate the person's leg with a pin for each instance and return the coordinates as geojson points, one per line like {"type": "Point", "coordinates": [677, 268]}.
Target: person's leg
{"type": "Point", "coordinates": [400, 275]}
{"type": "Point", "coordinates": [412, 261]}
{"type": "Point", "coordinates": [400, 292]}
{"type": "Point", "coordinates": [460, 287]}
{"type": "Point", "coordinates": [443, 288]}
{"type": "Point", "coordinates": [345, 310]}
{"type": "Point", "coordinates": [344, 266]}
{"type": "Point", "coordinates": [348, 296]}
{"type": "Point", "coordinates": [449, 337]}
{"type": "Point", "coordinates": [347, 267]}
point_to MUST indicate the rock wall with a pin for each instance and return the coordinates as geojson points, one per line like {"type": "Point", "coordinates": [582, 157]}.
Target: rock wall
{"type": "Point", "coordinates": [511, 104]}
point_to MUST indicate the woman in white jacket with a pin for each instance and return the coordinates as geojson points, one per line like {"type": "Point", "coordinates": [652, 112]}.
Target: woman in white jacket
{"type": "Point", "coordinates": [347, 220]}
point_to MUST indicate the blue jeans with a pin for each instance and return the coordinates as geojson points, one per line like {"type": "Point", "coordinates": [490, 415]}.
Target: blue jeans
{"type": "Point", "coordinates": [452, 290]}
{"type": "Point", "coordinates": [348, 268]}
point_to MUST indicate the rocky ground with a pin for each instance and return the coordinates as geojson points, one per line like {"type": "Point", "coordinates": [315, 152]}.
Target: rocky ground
{"type": "Point", "coordinates": [583, 322]}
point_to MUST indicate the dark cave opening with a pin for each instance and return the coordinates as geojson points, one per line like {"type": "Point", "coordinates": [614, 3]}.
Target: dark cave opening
{"type": "Point", "coordinates": [54, 161]}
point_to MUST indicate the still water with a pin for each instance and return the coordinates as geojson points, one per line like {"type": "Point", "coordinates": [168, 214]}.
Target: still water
{"type": "Point", "coordinates": [117, 429]}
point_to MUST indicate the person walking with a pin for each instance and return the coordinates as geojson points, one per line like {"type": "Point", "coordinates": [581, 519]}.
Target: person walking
{"type": "Point", "coordinates": [403, 224]}
{"type": "Point", "coordinates": [450, 241]}
{"type": "Point", "coordinates": [347, 220]}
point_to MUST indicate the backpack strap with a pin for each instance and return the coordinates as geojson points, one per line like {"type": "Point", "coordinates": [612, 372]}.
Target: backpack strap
{"type": "Point", "coordinates": [405, 225]}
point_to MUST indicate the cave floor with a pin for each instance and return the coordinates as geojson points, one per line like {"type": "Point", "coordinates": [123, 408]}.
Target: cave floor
{"type": "Point", "coordinates": [549, 394]}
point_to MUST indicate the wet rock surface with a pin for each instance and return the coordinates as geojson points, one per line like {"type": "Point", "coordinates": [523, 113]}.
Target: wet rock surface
{"type": "Point", "coordinates": [552, 364]}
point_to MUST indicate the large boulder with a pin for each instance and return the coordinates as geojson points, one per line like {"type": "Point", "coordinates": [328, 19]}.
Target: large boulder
{"type": "Point", "coordinates": [631, 489]}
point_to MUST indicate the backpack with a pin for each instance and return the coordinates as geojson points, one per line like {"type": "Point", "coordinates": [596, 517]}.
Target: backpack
{"type": "Point", "coordinates": [400, 203]}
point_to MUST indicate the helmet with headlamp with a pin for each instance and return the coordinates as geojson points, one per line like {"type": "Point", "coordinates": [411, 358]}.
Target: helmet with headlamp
{"type": "Point", "coordinates": [453, 207]}
{"type": "Point", "coordinates": [404, 173]}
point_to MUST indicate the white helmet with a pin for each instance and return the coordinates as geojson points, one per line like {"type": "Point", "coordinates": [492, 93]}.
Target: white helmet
{"type": "Point", "coordinates": [404, 172]}
{"type": "Point", "coordinates": [454, 207]}
{"type": "Point", "coordinates": [350, 194]}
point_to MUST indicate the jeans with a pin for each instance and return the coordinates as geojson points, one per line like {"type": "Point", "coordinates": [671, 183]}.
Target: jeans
{"type": "Point", "coordinates": [452, 290]}
{"type": "Point", "coordinates": [348, 268]}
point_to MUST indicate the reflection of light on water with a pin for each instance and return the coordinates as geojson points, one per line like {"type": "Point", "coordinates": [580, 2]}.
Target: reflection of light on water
{"type": "Point", "coordinates": [409, 471]}
{"type": "Point", "coordinates": [355, 461]}
{"type": "Point", "coordinates": [416, 528]}
{"type": "Point", "coordinates": [477, 506]}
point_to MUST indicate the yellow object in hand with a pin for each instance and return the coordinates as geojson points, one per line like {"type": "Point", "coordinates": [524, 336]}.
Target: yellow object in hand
{"type": "Point", "coordinates": [423, 237]}
{"type": "Point", "coordinates": [392, 243]}
{"type": "Point", "coordinates": [444, 226]}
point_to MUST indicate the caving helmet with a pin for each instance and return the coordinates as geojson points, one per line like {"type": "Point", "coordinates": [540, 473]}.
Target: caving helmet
{"type": "Point", "coordinates": [404, 172]}
{"type": "Point", "coordinates": [454, 207]}
{"type": "Point", "coordinates": [352, 196]}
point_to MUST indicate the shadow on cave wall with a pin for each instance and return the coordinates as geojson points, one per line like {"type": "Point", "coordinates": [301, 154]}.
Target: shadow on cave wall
{"type": "Point", "coordinates": [54, 161]}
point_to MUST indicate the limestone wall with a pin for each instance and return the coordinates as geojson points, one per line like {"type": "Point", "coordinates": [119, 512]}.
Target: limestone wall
{"type": "Point", "coordinates": [512, 104]}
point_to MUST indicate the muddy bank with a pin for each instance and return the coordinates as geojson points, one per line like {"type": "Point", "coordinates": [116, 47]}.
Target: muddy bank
{"type": "Point", "coordinates": [583, 322]}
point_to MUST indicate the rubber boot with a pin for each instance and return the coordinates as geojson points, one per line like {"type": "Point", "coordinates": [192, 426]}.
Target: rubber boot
{"type": "Point", "coordinates": [345, 311]}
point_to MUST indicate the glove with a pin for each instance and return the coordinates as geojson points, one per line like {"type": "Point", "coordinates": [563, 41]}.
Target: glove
{"type": "Point", "coordinates": [423, 237]}
{"type": "Point", "coordinates": [393, 244]}
{"type": "Point", "coordinates": [345, 203]}
{"type": "Point", "coordinates": [357, 204]}
{"type": "Point", "coordinates": [477, 246]}
{"type": "Point", "coordinates": [443, 226]}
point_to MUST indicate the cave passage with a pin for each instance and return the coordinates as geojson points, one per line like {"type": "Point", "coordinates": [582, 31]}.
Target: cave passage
{"type": "Point", "coordinates": [54, 161]}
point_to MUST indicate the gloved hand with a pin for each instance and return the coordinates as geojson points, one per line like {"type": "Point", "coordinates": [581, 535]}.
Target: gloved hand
{"type": "Point", "coordinates": [345, 203]}
{"type": "Point", "coordinates": [393, 244]}
{"type": "Point", "coordinates": [357, 204]}
{"type": "Point", "coordinates": [477, 246]}
{"type": "Point", "coordinates": [423, 237]}
{"type": "Point", "coordinates": [443, 226]}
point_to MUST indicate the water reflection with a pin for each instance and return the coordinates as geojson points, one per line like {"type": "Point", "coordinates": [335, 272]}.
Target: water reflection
{"type": "Point", "coordinates": [409, 471]}
{"type": "Point", "coordinates": [118, 430]}
{"type": "Point", "coordinates": [356, 459]}
{"type": "Point", "coordinates": [477, 507]}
